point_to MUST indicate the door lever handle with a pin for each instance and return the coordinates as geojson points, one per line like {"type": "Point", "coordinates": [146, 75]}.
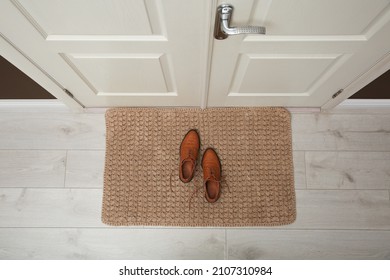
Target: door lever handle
{"type": "Point", "coordinates": [222, 21]}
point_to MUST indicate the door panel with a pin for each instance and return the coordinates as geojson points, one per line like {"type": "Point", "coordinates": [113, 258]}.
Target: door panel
{"type": "Point", "coordinates": [116, 53]}
{"type": "Point", "coordinates": [256, 71]}
{"type": "Point", "coordinates": [310, 51]}
{"type": "Point", "coordinates": [90, 17]}
{"type": "Point", "coordinates": [318, 17]}
{"type": "Point", "coordinates": [123, 74]}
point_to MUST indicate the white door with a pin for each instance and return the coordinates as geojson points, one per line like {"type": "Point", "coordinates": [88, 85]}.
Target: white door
{"type": "Point", "coordinates": [163, 53]}
{"type": "Point", "coordinates": [116, 52]}
{"type": "Point", "coordinates": [312, 48]}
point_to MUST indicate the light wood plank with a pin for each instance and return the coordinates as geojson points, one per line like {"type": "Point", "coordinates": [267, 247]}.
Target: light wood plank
{"type": "Point", "coordinates": [342, 209]}
{"type": "Point", "coordinates": [362, 106]}
{"type": "Point", "coordinates": [341, 132]}
{"type": "Point", "coordinates": [317, 209]}
{"type": "Point", "coordinates": [29, 207]}
{"type": "Point", "coordinates": [111, 243]}
{"type": "Point", "coordinates": [348, 170]}
{"type": "Point", "coordinates": [52, 131]}
{"type": "Point", "coordinates": [38, 168]}
{"type": "Point", "coordinates": [305, 244]}
{"type": "Point", "coordinates": [86, 131]}
{"type": "Point", "coordinates": [299, 170]}
{"type": "Point", "coordinates": [84, 169]}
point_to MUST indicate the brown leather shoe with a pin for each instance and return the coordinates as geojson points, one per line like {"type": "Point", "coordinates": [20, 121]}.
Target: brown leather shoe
{"type": "Point", "coordinates": [211, 175]}
{"type": "Point", "coordinates": [189, 151]}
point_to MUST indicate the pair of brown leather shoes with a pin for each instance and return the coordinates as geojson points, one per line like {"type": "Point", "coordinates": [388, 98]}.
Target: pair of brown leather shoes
{"type": "Point", "coordinates": [211, 165]}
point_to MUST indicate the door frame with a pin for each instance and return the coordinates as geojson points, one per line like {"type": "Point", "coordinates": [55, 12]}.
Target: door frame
{"type": "Point", "coordinates": [370, 74]}
{"type": "Point", "coordinates": [14, 55]}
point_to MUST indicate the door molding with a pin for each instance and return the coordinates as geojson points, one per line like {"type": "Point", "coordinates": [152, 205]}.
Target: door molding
{"type": "Point", "coordinates": [33, 105]}
{"type": "Point", "coordinates": [364, 103]}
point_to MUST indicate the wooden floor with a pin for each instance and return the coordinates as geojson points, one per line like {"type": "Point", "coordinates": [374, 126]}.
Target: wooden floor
{"type": "Point", "coordinates": [51, 169]}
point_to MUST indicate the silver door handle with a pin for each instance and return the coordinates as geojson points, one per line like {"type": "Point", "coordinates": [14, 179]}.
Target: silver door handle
{"type": "Point", "coordinates": [222, 21]}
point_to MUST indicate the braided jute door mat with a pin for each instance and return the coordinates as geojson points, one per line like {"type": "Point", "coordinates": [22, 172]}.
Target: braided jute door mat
{"type": "Point", "coordinates": [141, 177]}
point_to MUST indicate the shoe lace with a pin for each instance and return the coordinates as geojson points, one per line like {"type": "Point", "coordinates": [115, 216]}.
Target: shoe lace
{"type": "Point", "coordinates": [213, 178]}
{"type": "Point", "coordinates": [199, 186]}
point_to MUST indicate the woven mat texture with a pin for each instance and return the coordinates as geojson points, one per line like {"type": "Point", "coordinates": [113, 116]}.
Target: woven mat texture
{"type": "Point", "coordinates": [141, 178]}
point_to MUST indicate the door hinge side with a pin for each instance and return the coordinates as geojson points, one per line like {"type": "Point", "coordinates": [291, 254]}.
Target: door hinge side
{"type": "Point", "coordinates": [73, 97]}
{"type": "Point", "coordinates": [337, 93]}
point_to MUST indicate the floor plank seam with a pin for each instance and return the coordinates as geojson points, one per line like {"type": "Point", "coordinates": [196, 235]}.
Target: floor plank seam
{"type": "Point", "coordinates": [341, 150]}
{"type": "Point", "coordinates": [99, 188]}
{"type": "Point", "coordinates": [307, 229]}
{"type": "Point", "coordinates": [304, 162]}
{"type": "Point", "coordinates": [66, 167]}
{"type": "Point", "coordinates": [103, 150]}
{"type": "Point", "coordinates": [226, 257]}
{"type": "Point", "coordinates": [53, 149]}
{"type": "Point", "coordinates": [205, 229]}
